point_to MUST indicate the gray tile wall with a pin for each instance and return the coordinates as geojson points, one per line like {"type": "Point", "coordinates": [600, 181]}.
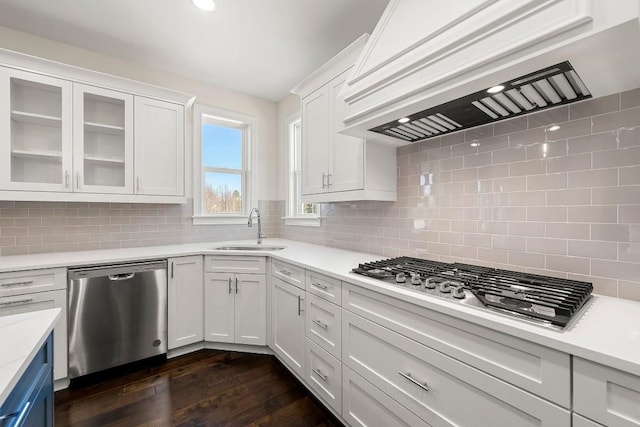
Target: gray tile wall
{"type": "Point", "coordinates": [38, 227]}
{"type": "Point", "coordinates": [514, 195]}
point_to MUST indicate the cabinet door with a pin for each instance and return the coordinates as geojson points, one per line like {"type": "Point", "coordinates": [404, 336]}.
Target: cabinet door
{"type": "Point", "coordinates": [41, 301]}
{"type": "Point", "coordinates": [287, 323]}
{"type": "Point", "coordinates": [346, 153]}
{"type": "Point", "coordinates": [186, 321]}
{"type": "Point", "coordinates": [250, 309]}
{"type": "Point", "coordinates": [315, 141]}
{"type": "Point", "coordinates": [102, 140]}
{"type": "Point", "coordinates": [219, 307]}
{"type": "Point", "coordinates": [35, 126]}
{"type": "Point", "coordinates": [159, 147]}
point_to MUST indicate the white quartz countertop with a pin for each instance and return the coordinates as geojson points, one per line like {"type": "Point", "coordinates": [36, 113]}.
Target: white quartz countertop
{"type": "Point", "coordinates": [607, 330]}
{"type": "Point", "coordinates": [21, 336]}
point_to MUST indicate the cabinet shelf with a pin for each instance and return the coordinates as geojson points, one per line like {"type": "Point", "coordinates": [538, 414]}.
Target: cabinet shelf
{"type": "Point", "coordinates": [103, 128]}
{"type": "Point", "coordinates": [36, 119]}
{"type": "Point", "coordinates": [37, 154]}
{"type": "Point", "coordinates": [104, 160]}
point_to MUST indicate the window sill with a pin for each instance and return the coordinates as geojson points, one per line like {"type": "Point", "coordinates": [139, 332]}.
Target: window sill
{"type": "Point", "coordinates": [301, 221]}
{"type": "Point", "coordinates": [219, 220]}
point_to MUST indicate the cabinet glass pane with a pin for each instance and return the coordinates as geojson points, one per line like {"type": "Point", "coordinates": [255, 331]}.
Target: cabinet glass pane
{"type": "Point", "coordinates": [222, 192]}
{"type": "Point", "coordinates": [104, 141]}
{"type": "Point", "coordinates": [36, 132]}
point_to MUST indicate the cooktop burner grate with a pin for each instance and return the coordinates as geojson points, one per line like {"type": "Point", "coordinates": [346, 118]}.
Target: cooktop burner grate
{"type": "Point", "coordinates": [549, 299]}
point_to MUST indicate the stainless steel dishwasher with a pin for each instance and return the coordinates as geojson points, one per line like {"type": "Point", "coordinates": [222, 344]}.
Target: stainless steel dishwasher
{"type": "Point", "coordinates": [117, 315]}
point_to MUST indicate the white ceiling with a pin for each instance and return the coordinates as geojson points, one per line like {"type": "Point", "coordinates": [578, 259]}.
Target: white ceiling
{"type": "Point", "coordinates": [260, 47]}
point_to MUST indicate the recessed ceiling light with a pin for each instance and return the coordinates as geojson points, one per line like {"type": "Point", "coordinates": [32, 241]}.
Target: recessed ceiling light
{"type": "Point", "coordinates": [404, 120]}
{"type": "Point", "coordinates": [475, 144]}
{"type": "Point", "coordinates": [495, 89]}
{"type": "Point", "coordinates": [554, 127]}
{"type": "Point", "coordinates": [207, 5]}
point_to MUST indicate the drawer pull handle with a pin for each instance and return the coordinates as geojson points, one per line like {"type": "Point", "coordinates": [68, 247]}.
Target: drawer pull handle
{"type": "Point", "coordinates": [319, 286]}
{"type": "Point", "coordinates": [24, 412]}
{"type": "Point", "coordinates": [17, 302]}
{"type": "Point", "coordinates": [6, 285]}
{"type": "Point", "coordinates": [236, 285]}
{"type": "Point", "coordinates": [300, 309]}
{"type": "Point", "coordinates": [321, 324]}
{"type": "Point", "coordinates": [408, 377]}
{"type": "Point", "coordinates": [229, 284]}
{"type": "Point", "coordinates": [285, 272]}
{"type": "Point", "coordinates": [320, 375]}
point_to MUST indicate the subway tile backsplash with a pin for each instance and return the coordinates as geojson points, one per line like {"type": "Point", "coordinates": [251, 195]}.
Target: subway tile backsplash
{"type": "Point", "coordinates": [514, 195]}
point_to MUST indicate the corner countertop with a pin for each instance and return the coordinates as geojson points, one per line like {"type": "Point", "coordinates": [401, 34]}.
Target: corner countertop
{"type": "Point", "coordinates": [607, 330]}
{"type": "Point", "coordinates": [21, 336]}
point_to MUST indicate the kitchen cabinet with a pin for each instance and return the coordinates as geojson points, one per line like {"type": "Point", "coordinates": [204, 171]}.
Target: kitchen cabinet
{"type": "Point", "coordinates": [235, 303]}
{"type": "Point", "coordinates": [324, 325]}
{"type": "Point", "coordinates": [66, 137]}
{"type": "Point", "coordinates": [324, 375]}
{"type": "Point", "coordinates": [159, 147]}
{"type": "Point", "coordinates": [435, 386]}
{"type": "Point", "coordinates": [604, 394]}
{"type": "Point", "coordinates": [35, 128]}
{"type": "Point", "coordinates": [33, 290]}
{"type": "Point", "coordinates": [335, 166]}
{"type": "Point", "coordinates": [31, 400]}
{"type": "Point", "coordinates": [185, 307]}
{"type": "Point", "coordinates": [288, 324]}
{"type": "Point", "coordinates": [102, 140]}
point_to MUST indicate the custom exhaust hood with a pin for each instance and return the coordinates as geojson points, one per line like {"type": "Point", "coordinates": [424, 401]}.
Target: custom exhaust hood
{"type": "Point", "coordinates": [547, 88]}
{"type": "Point", "coordinates": [430, 67]}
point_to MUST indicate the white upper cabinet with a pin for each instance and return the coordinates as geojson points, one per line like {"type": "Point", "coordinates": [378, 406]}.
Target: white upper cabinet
{"type": "Point", "coordinates": [159, 147]}
{"type": "Point", "coordinates": [35, 129]}
{"type": "Point", "coordinates": [102, 140]}
{"type": "Point", "coordinates": [68, 134]}
{"type": "Point", "coordinates": [335, 166]}
{"type": "Point", "coordinates": [423, 53]}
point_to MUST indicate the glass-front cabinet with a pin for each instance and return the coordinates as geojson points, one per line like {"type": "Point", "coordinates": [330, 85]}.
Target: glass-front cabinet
{"type": "Point", "coordinates": [36, 133]}
{"type": "Point", "coordinates": [102, 140]}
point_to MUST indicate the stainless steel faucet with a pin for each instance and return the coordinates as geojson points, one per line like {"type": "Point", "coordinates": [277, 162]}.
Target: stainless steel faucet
{"type": "Point", "coordinates": [260, 236]}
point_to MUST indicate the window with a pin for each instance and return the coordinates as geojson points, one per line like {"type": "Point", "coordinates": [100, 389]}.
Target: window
{"type": "Point", "coordinates": [298, 212]}
{"type": "Point", "coordinates": [222, 166]}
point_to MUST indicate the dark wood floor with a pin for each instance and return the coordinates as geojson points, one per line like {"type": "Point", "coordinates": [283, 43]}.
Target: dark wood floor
{"type": "Point", "coordinates": [206, 388]}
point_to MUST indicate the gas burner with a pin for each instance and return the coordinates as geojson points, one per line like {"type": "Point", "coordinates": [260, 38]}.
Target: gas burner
{"type": "Point", "coordinates": [539, 298]}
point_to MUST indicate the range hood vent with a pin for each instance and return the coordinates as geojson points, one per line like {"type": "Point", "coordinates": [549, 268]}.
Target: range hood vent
{"type": "Point", "coordinates": [547, 88]}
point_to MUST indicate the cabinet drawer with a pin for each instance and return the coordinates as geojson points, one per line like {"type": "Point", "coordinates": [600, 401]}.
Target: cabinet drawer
{"type": "Point", "coordinates": [366, 406]}
{"type": "Point", "coordinates": [288, 272]}
{"type": "Point", "coordinates": [579, 421]}
{"type": "Point", "coordinates": [323, 324]}
{"type": "Point", "coordinates": [234, 264]}
{"type": "Point", "coordinates": [324, 286]}
{"type": "Point", "coordinates": [606, 395]}
{"type": "Point", "coordinates": [324, 375]}
{"type": "Point", "coordinates": [435, 386]}
{"type": "Point", "coordinates": [537, 369]}
{"type": "Point", "coordinates": [30, 281]}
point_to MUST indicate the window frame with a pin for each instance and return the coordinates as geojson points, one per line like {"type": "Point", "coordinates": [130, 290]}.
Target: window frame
{"type": "Point", "coordinates": [292, 216]}
{"type": "Point", "coordinates": [205, 114]}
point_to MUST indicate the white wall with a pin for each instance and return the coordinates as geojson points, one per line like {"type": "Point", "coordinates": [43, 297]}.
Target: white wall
{"type": "Point", "coordinates": [269, 181]}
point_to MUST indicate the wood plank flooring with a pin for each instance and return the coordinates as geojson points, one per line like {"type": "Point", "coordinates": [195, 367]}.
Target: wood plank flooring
{"type": "Point", "coordinates": [206, 388]}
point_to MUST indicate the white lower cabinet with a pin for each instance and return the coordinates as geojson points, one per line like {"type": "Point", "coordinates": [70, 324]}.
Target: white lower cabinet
{"type": "Point", "coordinates": [288, 324]}
{"type": "Point", "coordinates": [235, 308]}
{"type": "Point", "coordinates": [365, 405]}
{"type": "Point", "coordinates": [22, 293]}
{"type": "Point", "coordinates": [324, 325]}
{"type": "Point", "coordinates": [185, 307]}
{"type": "Point", "coordinates": [606, 395]}
{"type": "Point", "coordinates": [324, 375]}
{"type": "Point", "coordinates": [439, 389]}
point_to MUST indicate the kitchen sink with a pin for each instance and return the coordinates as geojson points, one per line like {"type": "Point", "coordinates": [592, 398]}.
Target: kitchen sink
{"type": "Point", "coordinates": [247, 248]}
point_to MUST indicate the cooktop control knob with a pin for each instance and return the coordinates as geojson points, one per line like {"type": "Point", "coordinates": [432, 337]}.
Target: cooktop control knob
{"type": "Point", "coordinates": [416, 280]}
{"type": "Point", "coordinates": [458, 292]}
{"type": "Point", "coordinates": [400, 278]}
{"type": "Point", "coordinates": [444, 287]}
{"type": "Point", "coordinates": [429, 283]}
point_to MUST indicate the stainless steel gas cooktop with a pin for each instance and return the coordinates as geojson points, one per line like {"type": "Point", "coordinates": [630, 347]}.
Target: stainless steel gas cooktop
{"type": "Point", "coordinates": [542, 299]}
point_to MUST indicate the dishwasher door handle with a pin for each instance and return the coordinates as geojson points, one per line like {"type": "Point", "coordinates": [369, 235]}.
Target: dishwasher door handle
{"type": "Point", "coordinates": [125, 276]}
